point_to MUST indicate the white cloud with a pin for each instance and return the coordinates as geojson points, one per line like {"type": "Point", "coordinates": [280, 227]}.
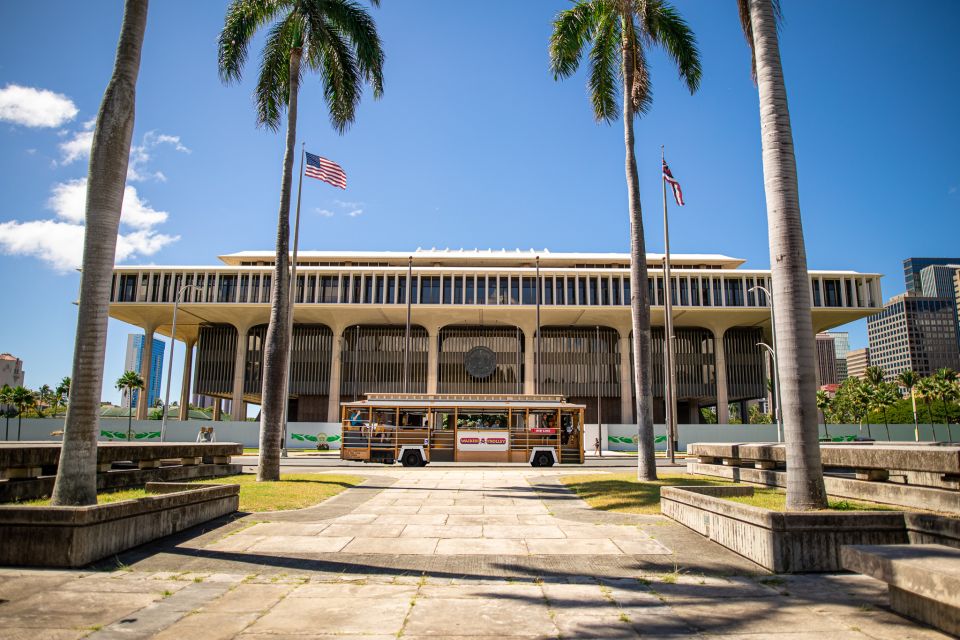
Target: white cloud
{"type": "Point", "coordinates": [35, 107]}
{"type": "Point", "coordinates": [355, 213]}
{"type": "Point", "coordinates": [343, 204]}
{"type": "Point", "coordinates": [68, 201]}
{"type": "Point", "coordinates": [78, 148]}
{"type": "Point", "coordinates": [326, 213]}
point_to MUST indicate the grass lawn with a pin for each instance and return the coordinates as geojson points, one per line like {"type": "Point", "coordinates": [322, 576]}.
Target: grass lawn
{"type": "Point", "coordinates": [622, 492]}
{"type": "Point", "coordinates": [294, 491]}
{"type": "Point", "coordinates": [776, 500]}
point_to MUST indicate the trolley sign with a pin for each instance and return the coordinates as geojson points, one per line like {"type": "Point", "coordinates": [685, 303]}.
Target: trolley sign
{"type": "Point", "coordinates": [485, 440]}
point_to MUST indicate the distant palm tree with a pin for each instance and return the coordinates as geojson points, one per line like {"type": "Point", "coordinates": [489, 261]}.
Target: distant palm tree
{"type": "Point", "coordinates": [6, 401]}
{"type": "Point", "coordinates": [925, 388]}
{"type": "Point", "coordinates": [44, 398]}
{"type": "Point", "coordinates": [864, 400]}
{"type": "Point", "coordinates": [874, 375]}
{"type": "Point", "coordinates": [908, 380]}
{"type": "Point", "coordinates": [60, 394]}
{"type": "Point", "coordinates": [884, 396]}
{"type": "Point", "coordinates": [946, 391]}
{"type": "Point", "coordinates": [788, 261]}
{"type": "Point", "coordinates": [22, 399]}
{"type": "Point", "coordinates": [129, 381]}
{"type": "Point", "coordinates": [618, 34]}
{"type": "Point", "coordinates": [76, 482]}
{"type": "Point", "coordinates": [338, 40]}
{"type": "Point", "coordinates": [823, 403]}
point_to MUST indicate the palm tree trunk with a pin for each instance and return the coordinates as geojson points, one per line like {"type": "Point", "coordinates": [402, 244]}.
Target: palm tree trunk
{"type": "Point", "coordinates": [130, 420]}
{"type": "Point", "coordinates": [76, 482]}
{"type": "Point", "coordinates": [639, 304]}
{"type": "Point", "coordinates": [886, 425]}
{"type": "Point", "coordinates": [275, 348]}
{"type": "Point", "coordinates": [946, 421]}
{"type": "Point", "coordinates": [19, 423]}
{"type": "Point", "coordinates": [788, 266]}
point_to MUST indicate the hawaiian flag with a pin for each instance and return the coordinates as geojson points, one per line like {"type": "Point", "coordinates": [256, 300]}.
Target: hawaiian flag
{"type": "Point", "coordinates": [677, 192]}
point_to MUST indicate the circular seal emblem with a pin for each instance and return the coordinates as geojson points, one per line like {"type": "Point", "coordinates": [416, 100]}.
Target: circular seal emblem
{"type": "Point", "coordinates": [480, 362]}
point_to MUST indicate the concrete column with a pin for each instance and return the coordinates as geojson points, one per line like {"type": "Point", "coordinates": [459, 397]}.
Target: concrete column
{"type": "Point", "coordinates": [626, 375]}
{"type": "Point", "coordinates": [333, 405]}
{"type": "Point", "coordinates": [217, 409]}
{"type": "Point", "coordinates": [723, 402]}
{"type": "Point", "coordinates": [529, 361]}
{"type": "Point", "coordinates": [433, 358]}
{"type": "Point", "coordinates": [238, 408]}
{"type": "Point", "coordinates": [143, 395]}
{"type": "Point", "coordinates": [185, 384]}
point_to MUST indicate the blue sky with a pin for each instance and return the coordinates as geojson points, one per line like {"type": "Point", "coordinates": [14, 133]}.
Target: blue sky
{"type": "Point", "coordinates": [475, 145]}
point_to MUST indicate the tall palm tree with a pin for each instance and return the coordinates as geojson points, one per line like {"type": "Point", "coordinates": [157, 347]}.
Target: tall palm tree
{"type": "Point", "coordinates": [22, 399]}
{"type": "Point", "coordinates": [60, 394]}
{"type": "Point", "coordinates": [129, 381]}
{"type": "Point", "coordinates": [945, 390]}
{"type": "Point", "coordinates": [44, 399]}
{"type": "Point", "coordinates": [618, 33]}
{"type": "Point", "coordinates": [884, 396]}
{"type": "Point", "coordinates": [6, 401]}
{"type": "Point", "coordinates": [874, 375]}
{"type": "Point", "coordinates": [76, 482]}
{"type": "Point", "coordinates": [823, 403]}
{"type": "Point", "coordinates": [788, 262]}
{"type": "Point", "coordinates": [925, 388]}
{"type": "Point", "coordinates": [908, 380]}
{"type": "Point", "coordinates": [338, 40]}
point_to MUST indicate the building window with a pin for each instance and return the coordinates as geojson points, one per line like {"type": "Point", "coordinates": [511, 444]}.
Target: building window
{"type": "Point", "coordinates": [582, 290]}
{"type": "Point", "coordinates": [529, 291]}
{"type": "Point", "coordinates": [617, 291]}
{"type": "Point", "coordinates": [604, 291]}
{"type": "Point", "coordinates": [379, 289]}
{"type": "Point", "coordinates": [733, 288]}
{"type": "Point", "coordinates": [469, 289]}
{"type": "Point", "coordinates": [694, 292]}
{"type": "Point", "coordinates": [328, 289]}
{"type": "Point", "coordinates": [515, 290]}
{"type": "Point", "coordinates": [705, 292]}
{"type": "Point", "coordinates": [227, 288]}
{"type": "Point", "coordinates": [430, 290]}
{"type": "Point", "coordinates": [684, 299]}
{"type": "Point", "coordinates": [571, 290]}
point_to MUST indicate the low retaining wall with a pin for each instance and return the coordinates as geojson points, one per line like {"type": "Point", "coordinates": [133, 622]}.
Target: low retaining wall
{"type": "Point", "coordinates": [78, 536]}
{"type": "Point", "coordinates": [787, 542]}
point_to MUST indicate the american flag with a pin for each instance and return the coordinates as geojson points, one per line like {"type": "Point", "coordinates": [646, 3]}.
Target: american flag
{"type": "Point", "coordinates": [677, 193]}
{"type": "Point", "coordinates": [326, 170]}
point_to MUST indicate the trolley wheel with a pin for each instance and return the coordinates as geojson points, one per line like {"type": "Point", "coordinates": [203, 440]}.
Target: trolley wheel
{"type": "Point", "coordinates": [542, 459]}
{"type": "Point", "coordinates": [412, 459]}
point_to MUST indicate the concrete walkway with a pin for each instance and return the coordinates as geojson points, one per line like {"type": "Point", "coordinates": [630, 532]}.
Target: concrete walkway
{"type": "Point", "coordinates": [442, 553]}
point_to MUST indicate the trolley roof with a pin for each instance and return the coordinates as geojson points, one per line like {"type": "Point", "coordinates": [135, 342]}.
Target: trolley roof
{"type": "Point", "coordinates": [473, 401]}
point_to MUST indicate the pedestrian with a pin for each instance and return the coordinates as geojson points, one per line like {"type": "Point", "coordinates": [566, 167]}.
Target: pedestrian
{"type": "Point", "coordinates": [596, 447]}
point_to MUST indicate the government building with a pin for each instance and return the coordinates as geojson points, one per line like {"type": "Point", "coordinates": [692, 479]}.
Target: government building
{"type": "Point", "coordinates": [351, 313]}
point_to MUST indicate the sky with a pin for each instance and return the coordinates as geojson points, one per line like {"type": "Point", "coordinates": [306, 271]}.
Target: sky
{"type": "Point", "coordinates": [473, 144]}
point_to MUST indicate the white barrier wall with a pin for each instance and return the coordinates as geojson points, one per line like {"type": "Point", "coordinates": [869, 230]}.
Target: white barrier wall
{"type": "Point", "coordinates": [300, 435]}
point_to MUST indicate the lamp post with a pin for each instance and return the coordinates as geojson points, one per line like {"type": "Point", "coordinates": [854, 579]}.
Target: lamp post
{"type": "Point", "coordinates": [173, 341]}
{"type": "Point", "coordinates": [776, 388]}
{"type": "Point", "coordinates": [776, 364]}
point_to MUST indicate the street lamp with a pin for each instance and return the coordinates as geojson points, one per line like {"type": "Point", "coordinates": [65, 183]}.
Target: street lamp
{"type": "Point", "coordinates": [773, 352]}
{"type": "Point", "coordinates": [776, 389]}
{"type": "Point", "coordinates": [173, 341]}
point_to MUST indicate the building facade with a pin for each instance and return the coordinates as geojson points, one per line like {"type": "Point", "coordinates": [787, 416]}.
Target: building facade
{"type": "Point", "coordinates": [11, 370]}
{"type": "Point", "coordinates": [350, 339]}
{"type": "Point", "coordinates": [857, 362]}
{"type": "Point", "coordinates": [841, 347]}
{"type": "Point", "coordinates": [914, 332]}
{"type": "Point", "coordinates": [133, 361]}
{"type": "Point", "coordinates": [937, 280]}
{"type": "Point", "coordinates": [913, 266]}
{"type": "Point", "coordinates": [826, 359]}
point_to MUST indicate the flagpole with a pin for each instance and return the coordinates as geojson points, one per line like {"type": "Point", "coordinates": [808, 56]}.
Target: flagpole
{"type": "Point", "coordinates": [536, 386]}
{"type": "Point", "coordinates": [406, 339]}
{"type": "Point", "coordinates": [669, 377]}
{"type": "Point", "coordinates": [290, 307]}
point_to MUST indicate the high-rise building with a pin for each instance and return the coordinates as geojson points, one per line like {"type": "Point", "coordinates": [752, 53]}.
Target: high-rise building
{"type": "Point", "coordinates": [133, 362]}
{"type": "Point", "coordinates": [913, 266]}
{"type": "Point", "coordinates": [914, 332]}
{"type": "Point", "coordinates": [826, 359]}
{"type": "Point", "coordinates": [937, 280]}
{"type": "Point", "coordinates": [841, 347]}
{"type": "Point", "coordinates": [857, 362]}
{"type": "Point", "coordinates": [11, 370]}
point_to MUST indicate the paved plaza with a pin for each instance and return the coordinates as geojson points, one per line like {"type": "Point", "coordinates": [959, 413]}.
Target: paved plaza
{"type": "Point", "coordinates": [442, 553]}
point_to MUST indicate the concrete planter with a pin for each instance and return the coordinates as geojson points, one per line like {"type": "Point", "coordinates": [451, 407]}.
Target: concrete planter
{"type": "Point", "coordinates": [78, 536]}
{"type": "Point", "coordinates": [787, 542]}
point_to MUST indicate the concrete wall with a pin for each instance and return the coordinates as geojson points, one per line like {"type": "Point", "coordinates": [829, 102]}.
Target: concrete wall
{"type": "Point", "coordinates": [299, 434]}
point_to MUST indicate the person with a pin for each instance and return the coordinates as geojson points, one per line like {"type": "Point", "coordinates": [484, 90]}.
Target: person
{"type": "Point", "coordinates": [596, 447]}
{"type": "Point", "coordinates": [355, 419]}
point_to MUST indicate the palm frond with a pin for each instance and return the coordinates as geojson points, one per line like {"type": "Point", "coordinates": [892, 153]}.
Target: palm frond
{"type": "Point", "coordinates": [353, 22]}
{"type": "Point", "coordinates": [329, 53]}
{"type": "Point", "coordinates": [572, 30]}
{"type": "Point", "coordinates": [744, 8]}
{"type": "Point", "coordinates": [641, 95]}
{"type": "Point", "coordinates": [665, 26]}
{"type": "Point", "coordinates": [243, 19]}
{"type": "Point", "coordinates": [272, 93]}
{"type": "Point", "coordinates": [605, 68]}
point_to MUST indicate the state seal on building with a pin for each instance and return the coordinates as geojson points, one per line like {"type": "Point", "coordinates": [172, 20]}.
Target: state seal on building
{"type": "Point", "coordinates": [480, 362]}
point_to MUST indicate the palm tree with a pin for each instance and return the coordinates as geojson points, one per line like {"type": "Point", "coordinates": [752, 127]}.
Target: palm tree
{"type": "Point", "coordinates": [22, 399]}
{"type": "Point", "coordinates": [60, 394]}
{"type": "Point", "coordinates": [945, 390]}
{"type": "Point", "coordinates": [925, 388]}
{"type": "Point", "coordinates": [823, 403]}
{"type": "Point", "coordinates": [884, 396]}
{"type": "Point", "coordinates": [788, 262]}
{"type": "Point", "coordinates": [618, 34]}
{"type": "Point", "coordinates": [129, 381]}
{"type": "Point", "coordinates": [44, 399]}
{"type": "Point", "coordinates": [908, 380]}
{"type": "Point", "coordinates": [874, 375]}
{"type": "Point", "coordinates": [6, 401]}
{"type": "Point", "coordinates": [865, 393]}
{"type": "Point", "coordinates": [76, 482]}
{"type": "Point", "coordinates": [338, 40]}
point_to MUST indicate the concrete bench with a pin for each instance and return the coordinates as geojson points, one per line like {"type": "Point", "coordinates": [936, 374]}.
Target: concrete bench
{"type": "Point", "coordinates": [923, 579]}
